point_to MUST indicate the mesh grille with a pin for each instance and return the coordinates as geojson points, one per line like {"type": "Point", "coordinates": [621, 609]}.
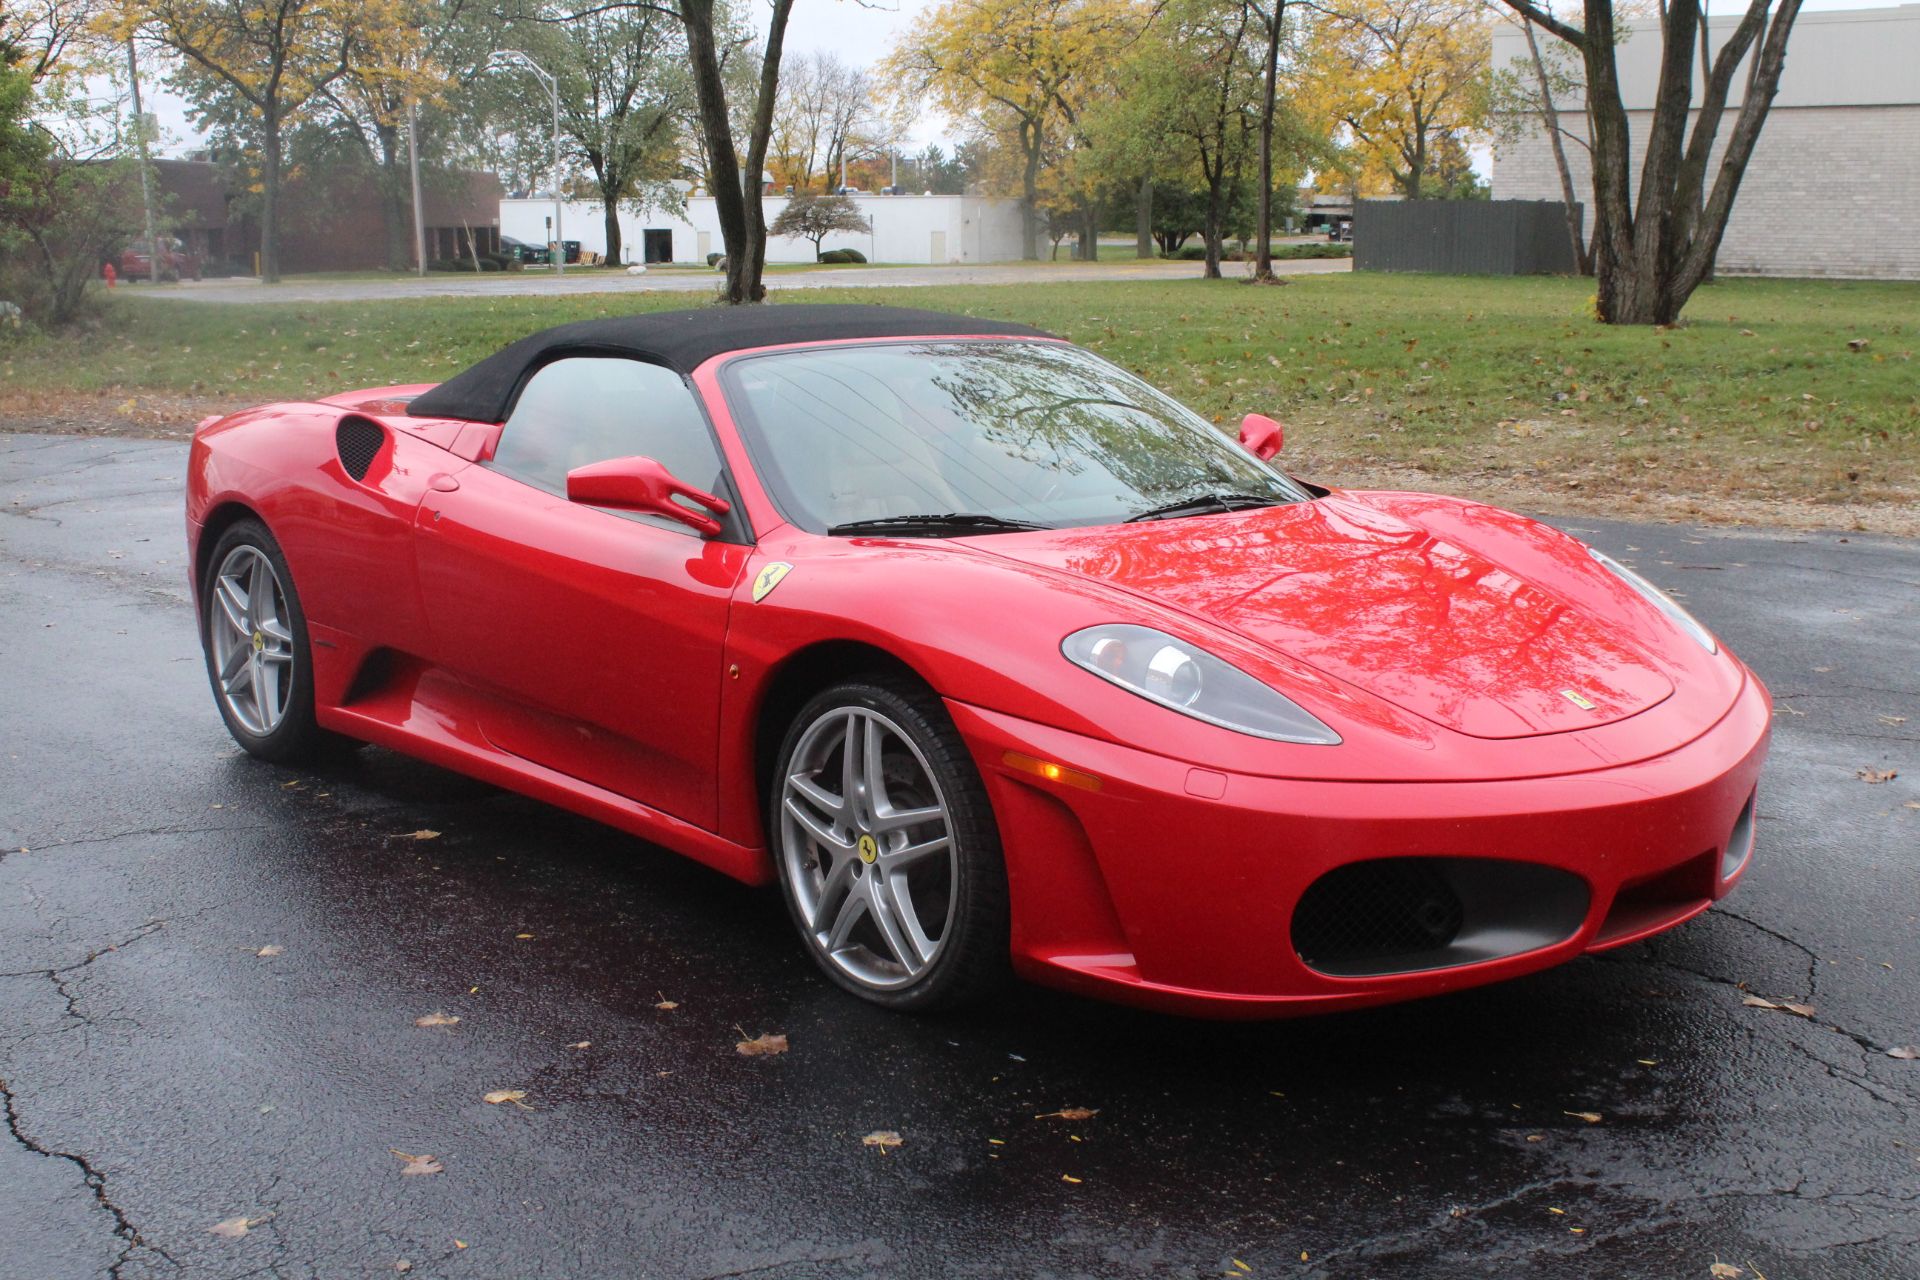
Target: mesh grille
{"type": "Point", "coordinates": [358, 442]}
{"type": "Point", "coordinates": [1376, 910]}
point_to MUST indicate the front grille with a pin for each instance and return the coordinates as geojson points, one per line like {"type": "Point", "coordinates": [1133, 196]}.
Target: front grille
{"type": "Point", "coordinates": [1403, 915]}
{"type": "Point", "coordinates": [1389, 907]}
{"type": "Point", "coordinates": [358, 442]}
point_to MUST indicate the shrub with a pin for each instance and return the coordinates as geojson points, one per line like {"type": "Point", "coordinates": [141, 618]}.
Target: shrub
{"type": "Point", "coordinates": [843, 256]}
{"type": "Point", "coordinates": [713, 259]}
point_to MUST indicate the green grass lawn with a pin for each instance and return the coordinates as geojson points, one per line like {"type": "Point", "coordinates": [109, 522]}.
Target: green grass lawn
{"type": "Point", "coordinates": [1499, 384]}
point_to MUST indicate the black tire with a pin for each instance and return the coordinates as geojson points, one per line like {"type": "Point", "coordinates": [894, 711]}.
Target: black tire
{"type": "Point", "coordinates": [297, 738]}
{"type": "Point", "coordinates": [971, 960]}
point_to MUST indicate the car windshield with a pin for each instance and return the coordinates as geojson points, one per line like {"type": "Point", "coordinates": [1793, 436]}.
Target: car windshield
{"type": "Point", "coordinates": [1005, 434]}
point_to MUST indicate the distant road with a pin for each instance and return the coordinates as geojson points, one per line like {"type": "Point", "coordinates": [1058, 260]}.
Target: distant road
{"type": "Point", "coordinates": [601, 280]}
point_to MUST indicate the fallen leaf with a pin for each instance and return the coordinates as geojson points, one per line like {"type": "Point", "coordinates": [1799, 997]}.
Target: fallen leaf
{"type": "Point", "coordinates": [458, 1243]}
{"type": "Point", "coordinates": [403, 1266]}
{"type": "Point", "coordinates": [412, 1166]}
{"type": "Point", "coordinates": [1858, 344]}
{"type": "Point", "coordinates": [1759, 1002]}
{"type": "Point", "coordinates": [1648, 1062]}
{"type": "Point", "coordinates": [1892, 720]}
{"type": "Point", "coordinates": [885, 1139]}
{"type": "Point", "coordinates": [1795, 1008]}
{"type": "Point", "coordinates": [1725, 1271]}
{"type": "Point", "coordinates": [1067, 1177]}
{"type": "Point", "coordinates": [1241, 1267]}
{"type": "Point", "coordinates": [498, 1096]}
{"type": "Point", "coordinates": [1801, 1010]}
{"type": "Point", "coordinates": [1536, 1137]}
{"type": "Point", "coordinates": [437, 1020]}
{"type": "Point", "coordinates": [1561, 1212]}
{"type": "Point", "coordinates": [423, 834]}
{"type": "Point", "coordinates": [1911, 804]}
{"type": "Point", "coordinates": [1871, 776]}
{"type": "Point", "coordinates": [581, 1044]}
{"type": "Point", "coordinates": [1904, 1052]}
{"type": "Point", "coordinates": [1069, 1113]}
{"type": "Point", "coordinates": [1591, 1117]}
{"type": "Point", "coordinates": [234, 1228]}
{"type": "Point", "coordinates": [668, 1004]}
{"type": "Point", "coordinates": [524, 937]}
{"type": "Point", "coordinates": [762, 1045]}
{"type": "Point", "coordinates": [273, 949]}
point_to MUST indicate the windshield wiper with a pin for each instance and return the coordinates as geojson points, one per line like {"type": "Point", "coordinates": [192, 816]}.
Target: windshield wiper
{"type": "Point", "coordinates": [1207, 502]}
{"type": "Point", "coordinates": [934, 526]}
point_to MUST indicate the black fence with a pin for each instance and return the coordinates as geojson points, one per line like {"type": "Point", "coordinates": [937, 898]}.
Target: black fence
{"type": "Point", "coordinates": [1464, 237]}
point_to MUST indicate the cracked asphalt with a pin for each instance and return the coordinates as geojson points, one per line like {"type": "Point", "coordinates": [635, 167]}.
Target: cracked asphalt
{"type": "Point", "coordinates": [164, 1071]}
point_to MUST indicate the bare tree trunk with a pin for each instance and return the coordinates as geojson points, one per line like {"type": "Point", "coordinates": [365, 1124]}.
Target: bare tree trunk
{"type": "Point", "coordinates": [270, 196]}
{"type": "Point", "coordinates": [1269, 96]}
{"type": "Point", "coordinates": [1090, 236]}
{"type": "Point", "coordinates": [1550, 118]}
{"type": "Point", "coordinates": [1030, 193]}
{"type": "Point", "coordinates": [610, 211]}
{"type": "Point", "coordinates": [1143, 218]}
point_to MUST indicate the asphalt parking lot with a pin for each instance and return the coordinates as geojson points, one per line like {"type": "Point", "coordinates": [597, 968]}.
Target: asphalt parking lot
{"type": "Point", "coordinates": [211, 971]}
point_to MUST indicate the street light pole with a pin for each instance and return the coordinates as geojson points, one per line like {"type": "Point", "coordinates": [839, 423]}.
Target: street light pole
{"type": "Point", "coordinates": [553, 91]}
{"type": "Point", "coordinates": [413, 172]}
{"type": "Point", "coordinates": [140, 142]}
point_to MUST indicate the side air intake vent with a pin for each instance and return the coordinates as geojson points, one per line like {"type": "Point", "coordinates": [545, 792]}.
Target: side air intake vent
{"type": "Point", "coordinates": [358, 443]}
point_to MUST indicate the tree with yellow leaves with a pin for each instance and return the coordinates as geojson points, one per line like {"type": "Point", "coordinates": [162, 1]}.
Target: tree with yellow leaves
{"type": "Point", "coordinates": [1401, 76]}
{"type": "Point", "coordinates": [1017, 69]}
{"type": "Point", "coordinates": [277, 58]}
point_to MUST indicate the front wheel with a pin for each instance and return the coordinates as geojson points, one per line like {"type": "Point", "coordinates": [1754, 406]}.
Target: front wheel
{"type": "Point", "coordinates": [887, 849]}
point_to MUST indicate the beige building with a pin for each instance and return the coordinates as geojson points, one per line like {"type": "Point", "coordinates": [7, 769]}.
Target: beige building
{"type": "Point", "coordinates": [1833, 188]}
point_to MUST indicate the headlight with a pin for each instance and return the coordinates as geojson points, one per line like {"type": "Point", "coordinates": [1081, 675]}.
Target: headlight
{"type": "Point", "coordinates": [1659, 600]}
{"type": "Point", "coordinates": [1193, 682]}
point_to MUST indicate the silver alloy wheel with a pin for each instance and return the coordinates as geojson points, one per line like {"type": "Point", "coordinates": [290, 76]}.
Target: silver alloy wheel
{"type": "Point", "coordinates": [867, 848]}
{"type": "Point", "coordinates": [251, 640]}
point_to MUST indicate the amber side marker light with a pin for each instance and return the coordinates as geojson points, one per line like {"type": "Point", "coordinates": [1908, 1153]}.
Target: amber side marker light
{"type": "Point", "coordinates": [1050, 771]}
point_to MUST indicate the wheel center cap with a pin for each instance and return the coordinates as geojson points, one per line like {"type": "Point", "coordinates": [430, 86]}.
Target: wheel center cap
{"type": "Point", "coordinates": [869, 850]}
{"type": "Point", "coordinates": [259, 641]}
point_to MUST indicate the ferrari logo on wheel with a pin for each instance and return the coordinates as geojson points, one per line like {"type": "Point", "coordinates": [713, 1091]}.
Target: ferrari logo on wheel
{"type": "Point", "coordinates": [769, 579]}
{"type": "Point", "coordinates": [869, 851]}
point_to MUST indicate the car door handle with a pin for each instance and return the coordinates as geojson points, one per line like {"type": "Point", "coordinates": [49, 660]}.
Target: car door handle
{"type": "Point", "coordinates": [442, 483]}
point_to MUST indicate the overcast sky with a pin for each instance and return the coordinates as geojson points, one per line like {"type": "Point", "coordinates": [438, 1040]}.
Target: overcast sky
{"type": "Point", "coordinates": [860, 34]}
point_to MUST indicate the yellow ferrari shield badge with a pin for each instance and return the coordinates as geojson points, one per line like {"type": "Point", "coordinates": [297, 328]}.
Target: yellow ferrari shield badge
{"type": "Point", "coordinates": [869, 849]}
{"type": "Point", "coordinates": [769, 579]}
{"type": "Point", "coordinates": [1577, 700]}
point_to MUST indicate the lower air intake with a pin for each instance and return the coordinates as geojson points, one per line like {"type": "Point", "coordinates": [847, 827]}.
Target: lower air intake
{"type": "Point", "coordinates": [358, 442]}
{"type": "Point", "coordinates": [1404, 915]}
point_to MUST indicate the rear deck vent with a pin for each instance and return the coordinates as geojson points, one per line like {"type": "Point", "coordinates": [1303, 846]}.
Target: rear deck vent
{"type": "Point", "coordinates": [358, 442]}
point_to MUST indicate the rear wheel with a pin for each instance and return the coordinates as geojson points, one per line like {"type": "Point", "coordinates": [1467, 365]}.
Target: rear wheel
{"type": "Point", "coordinates": [887, 849]}
{"type": "Point", "coordinates": [255, 637]}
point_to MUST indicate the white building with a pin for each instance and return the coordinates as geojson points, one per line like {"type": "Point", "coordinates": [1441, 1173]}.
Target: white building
{"type": "Point", "coordinates": [923, 229]}
{"type": "Point", "coordinates": [1833, 188]}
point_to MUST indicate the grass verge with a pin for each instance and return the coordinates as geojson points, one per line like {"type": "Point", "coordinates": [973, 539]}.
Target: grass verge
{"type": "Point", "coordinates": [1791, 402]}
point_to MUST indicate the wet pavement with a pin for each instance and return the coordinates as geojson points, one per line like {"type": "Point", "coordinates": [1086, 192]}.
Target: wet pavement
{"type": "Point", "coordinates": [210, 972]}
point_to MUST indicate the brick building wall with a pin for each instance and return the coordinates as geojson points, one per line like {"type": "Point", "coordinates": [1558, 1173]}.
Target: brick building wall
{"type": "Point", "coordinates": [1833, 188]}
{"type": "Point", "coordinates": [1830, 191]}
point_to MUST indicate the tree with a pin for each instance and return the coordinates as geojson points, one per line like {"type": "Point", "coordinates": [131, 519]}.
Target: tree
{"type": "Point", "coordinates": [1653, 251]}
{"type": "Point", "coordinates": [736, 195]}
{"type": "Point", "coordinates": [1400, 75]}
{"type": "Point", "coordinates": [1272, 18]}
{"type": "Point", "coordinates": [68, 193]}
{"type": "Point", "coordinates": [1017, 68]}
{"type": "Point", "coordinates": [811, 216]}
{"type": "Point", "coordinates": [623, 93]}
{"type": "Point", "coordinates": [275, 59]}
{"type": "Point", "coordinates": [1188, 103]}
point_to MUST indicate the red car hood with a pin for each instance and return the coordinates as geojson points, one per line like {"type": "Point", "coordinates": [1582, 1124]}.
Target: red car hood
{"type": "Point", "coordinates": [1381, 603]}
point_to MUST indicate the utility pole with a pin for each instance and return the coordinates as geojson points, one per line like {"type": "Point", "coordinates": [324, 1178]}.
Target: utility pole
{"type": "Point", "coordinates": [146, 186]}
{"type": "Point", "coordinates": [553, 91]}
{"type": "Point", "coordinates": [413, 165]}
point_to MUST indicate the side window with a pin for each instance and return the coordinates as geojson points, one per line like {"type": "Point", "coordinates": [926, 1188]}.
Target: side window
{"type": "Point", "coordinates": [590, 408]}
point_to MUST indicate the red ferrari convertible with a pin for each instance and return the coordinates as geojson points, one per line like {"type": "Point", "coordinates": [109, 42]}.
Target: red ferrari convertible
{"type": "Point", "coordinates": [994, 657]}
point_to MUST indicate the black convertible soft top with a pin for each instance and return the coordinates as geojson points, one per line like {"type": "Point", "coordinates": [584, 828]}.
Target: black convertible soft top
{"type": "Point", "coordinates": [682, 341]}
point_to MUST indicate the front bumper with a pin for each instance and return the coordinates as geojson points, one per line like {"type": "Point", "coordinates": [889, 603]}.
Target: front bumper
{"type": "Point", "coordinates": [1176, 888]}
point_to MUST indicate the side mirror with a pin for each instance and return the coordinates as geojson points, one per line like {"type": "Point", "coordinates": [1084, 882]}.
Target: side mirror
{"type": "Point", "coordinates": [1260, 435]}
{"type": "Point", "coordinates": [641, 484]}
